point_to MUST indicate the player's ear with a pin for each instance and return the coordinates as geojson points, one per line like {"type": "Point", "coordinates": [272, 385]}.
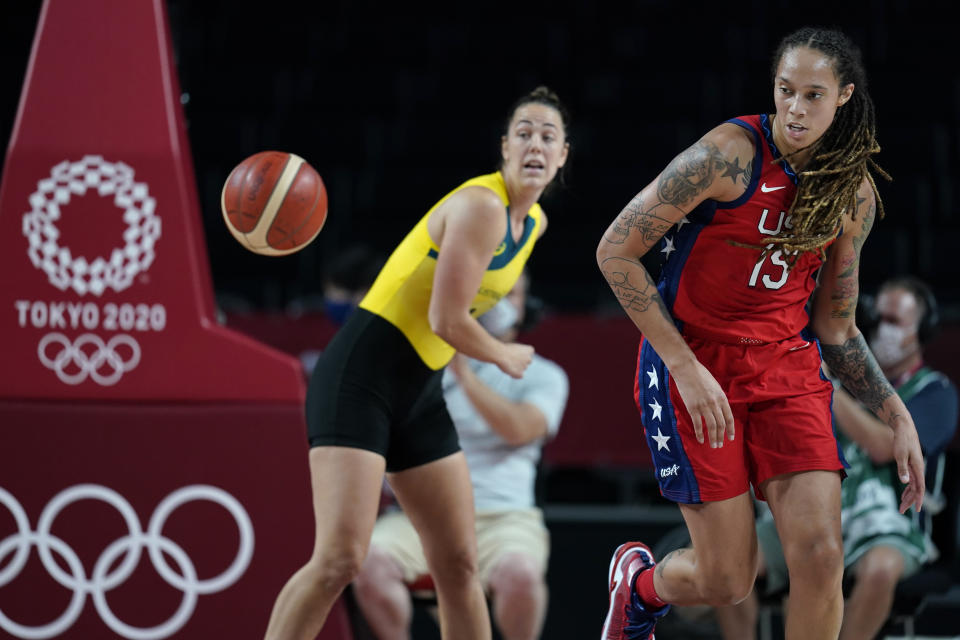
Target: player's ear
{"type": "Point", "coordinates": [846, 92]}
{"type": "Point", "coordinates": [564, 154]}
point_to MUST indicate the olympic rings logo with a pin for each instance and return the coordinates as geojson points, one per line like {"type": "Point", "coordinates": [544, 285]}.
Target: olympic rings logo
{"type": "Point", "coordinates": [129, 546]}
{"type": "Point", "coordinates": [89, 362]}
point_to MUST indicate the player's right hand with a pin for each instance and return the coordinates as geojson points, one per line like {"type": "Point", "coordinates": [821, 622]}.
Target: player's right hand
{"type": "Point", "coordinates": [516, 359]}
{"type": "Point", "coordinates": [706, 403]}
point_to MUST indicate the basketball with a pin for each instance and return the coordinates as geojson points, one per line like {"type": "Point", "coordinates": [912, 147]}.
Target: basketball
{"type": "Point", "coordinates": [274, 203]}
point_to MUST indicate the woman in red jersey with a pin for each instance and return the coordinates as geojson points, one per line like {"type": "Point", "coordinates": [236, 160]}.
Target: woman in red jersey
{"type": "Point", "coordinates": [760, 216]}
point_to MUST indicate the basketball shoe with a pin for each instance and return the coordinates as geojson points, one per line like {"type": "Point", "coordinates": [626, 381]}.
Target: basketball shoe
{"type": "Point", "coordinates": [628, 618]}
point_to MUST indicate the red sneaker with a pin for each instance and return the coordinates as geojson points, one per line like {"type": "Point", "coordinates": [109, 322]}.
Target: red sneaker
{"type": "Point", "coordinates": [628, 618]}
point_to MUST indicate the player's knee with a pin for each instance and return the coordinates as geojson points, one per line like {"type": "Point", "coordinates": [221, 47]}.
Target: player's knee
{"type": "Point", "coordinates": [453, 567]}
{"type": "Point", "coordinates": [818, 560]}
{"type": "Point", "coordinates": [333, 569]}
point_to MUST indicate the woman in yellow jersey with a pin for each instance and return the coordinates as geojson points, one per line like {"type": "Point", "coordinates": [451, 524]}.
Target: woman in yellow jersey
{"type": "Point", "coordinates": [375, 405]}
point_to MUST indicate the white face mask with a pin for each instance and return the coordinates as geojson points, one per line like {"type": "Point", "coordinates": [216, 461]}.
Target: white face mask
{"type": "Point", "coordinates": [887, 344]}
{"type": "Point", "coordinates": [502, 317]}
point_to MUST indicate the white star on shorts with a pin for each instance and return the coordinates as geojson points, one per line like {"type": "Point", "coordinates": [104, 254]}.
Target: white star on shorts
{"type": "Point", "coordinates": [656, 409]}
{"type": "Point", "coordinates": [654, 380]}
{"type": "Point", "coordinates": [661, 440]}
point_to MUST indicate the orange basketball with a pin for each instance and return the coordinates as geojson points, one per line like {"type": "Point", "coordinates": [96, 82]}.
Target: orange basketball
{"type": "Point", "coordinates": [274, 203]}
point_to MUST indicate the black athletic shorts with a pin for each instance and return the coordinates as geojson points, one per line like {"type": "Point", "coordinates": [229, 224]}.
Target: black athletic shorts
{"type": "Point", "coordinates": [370, 390]}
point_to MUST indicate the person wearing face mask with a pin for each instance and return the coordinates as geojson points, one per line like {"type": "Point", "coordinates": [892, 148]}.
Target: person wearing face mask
{"type": "Point", "coordinates": [347, 278]}
{"type": "Point", "coordinates": [904, 320]}
{"type": "Point", "coordinates": [502, 423]}
{"type": "Point", "coordinates": [881, 545]}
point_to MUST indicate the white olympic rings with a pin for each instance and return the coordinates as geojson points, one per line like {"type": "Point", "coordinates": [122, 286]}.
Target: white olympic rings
{"type": "Point", "coordinates": [89, 364]}
{"type": "Point", "coordinates": [130, 546]}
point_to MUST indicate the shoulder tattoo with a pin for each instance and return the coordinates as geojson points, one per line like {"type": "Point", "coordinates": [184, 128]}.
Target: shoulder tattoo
{"type": "Point", "coordinates": [691, 172]}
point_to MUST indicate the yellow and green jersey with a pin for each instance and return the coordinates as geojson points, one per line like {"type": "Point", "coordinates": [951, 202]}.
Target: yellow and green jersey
{"type": "Point", "coordinates": [401, 293]}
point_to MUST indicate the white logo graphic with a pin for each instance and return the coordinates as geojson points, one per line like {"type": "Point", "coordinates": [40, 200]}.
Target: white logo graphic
{"type": "Point", "coordinates": [129, 546]}
{"type": "Point", "coordinates": [767, 189]}
{"type": "Point", "coordinates": [88, 355]}
{"type": "Point", "coordinates": [109, 179]}
{"type": "Point", "coordinates": [669, 471]}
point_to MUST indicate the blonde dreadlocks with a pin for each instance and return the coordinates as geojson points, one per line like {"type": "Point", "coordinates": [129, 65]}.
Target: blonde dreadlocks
{"type": "Point", "coordinates": [841, 158]}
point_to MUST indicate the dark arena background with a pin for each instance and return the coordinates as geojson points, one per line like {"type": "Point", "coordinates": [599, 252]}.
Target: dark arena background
{"type": "Point", "coordinates": [394, 105]}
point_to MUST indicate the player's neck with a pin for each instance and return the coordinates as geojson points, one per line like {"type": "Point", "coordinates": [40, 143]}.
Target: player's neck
{"type": "Point", "coordinates": [522, 198]}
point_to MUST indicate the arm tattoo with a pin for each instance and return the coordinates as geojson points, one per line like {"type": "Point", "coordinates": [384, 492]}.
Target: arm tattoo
{"type": "Point", "coordinates": [638, 296]}
{"type": "Point", "coordinates": [859, 372]}
{"type": "Point", "coordinates": [865, 229]}
{"type": "Point", "coordinates": [650, 226]}
{"type": "Point", "coordinates": [844, 296]}
{"type": "Point", "coordinates": [691, 173]}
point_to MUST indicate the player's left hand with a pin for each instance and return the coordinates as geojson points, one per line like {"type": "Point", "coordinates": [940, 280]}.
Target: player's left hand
{"type": "Point", "coordinates": [910, 465]}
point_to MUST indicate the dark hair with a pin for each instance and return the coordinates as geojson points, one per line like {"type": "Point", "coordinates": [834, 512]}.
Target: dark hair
{"type": "Point", "coordinates": [926, 302]}
{"type": "Point", "coordinates": [545, 96]}
{"type": "Point", "coordinates": [541, 95]}
{"type": "Point", "coordinates": [841, 158]}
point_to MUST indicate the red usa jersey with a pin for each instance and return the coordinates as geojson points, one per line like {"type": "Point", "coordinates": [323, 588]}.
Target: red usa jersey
{"type": "Point", "coordinates": [722, 289]}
